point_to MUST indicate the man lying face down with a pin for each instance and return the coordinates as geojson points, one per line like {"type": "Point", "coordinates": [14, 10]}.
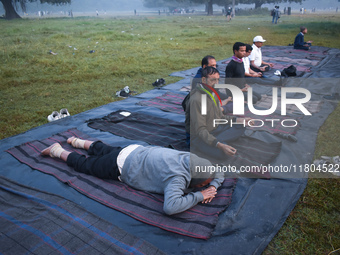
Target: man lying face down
{"type": "Point", "coordinates": [148, 168]}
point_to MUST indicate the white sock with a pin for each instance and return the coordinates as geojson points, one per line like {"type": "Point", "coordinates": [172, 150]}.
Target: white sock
{"type": "Point", "coordinates": [56, 151]}
{"type": "Point", "coordinates": [78, 143]}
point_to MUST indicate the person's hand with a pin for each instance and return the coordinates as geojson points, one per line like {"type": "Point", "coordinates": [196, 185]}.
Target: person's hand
{"type": "Point", "coordinates": [271, 64]}
{"type": "Point", "coordinates": [225, 101]}
{"type": "Point", "coordinates": [309, 41]}
{"type": "Point", "coordinates": [226, 149]}
{"type": "Point", "coordinates": [256, 75]}
{"type": "Point", "coordinates": [245, 89]}
{"type": "Point", "coordinates": [262, 68]}
{"type": "Point", "coordinates": [208, 194]}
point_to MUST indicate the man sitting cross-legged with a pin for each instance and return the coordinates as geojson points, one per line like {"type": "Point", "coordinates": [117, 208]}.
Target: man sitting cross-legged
{"type": "Point", "coordinates": [256, 77]}
{"type": "Point", "coordinates": [205, 137]}
{"type": "Point", "coordinates": [235, 71]}
{"type": "Point", "coordinates": [148, 168]}
{"type": "Point", "coordinates": [256, 62]}
{"type": "Point", "coordinates": [299, 42]}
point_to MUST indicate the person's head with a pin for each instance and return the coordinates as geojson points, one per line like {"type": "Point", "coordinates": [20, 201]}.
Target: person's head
{"type": "Point", "coordinates": [303, 30]}
{"type": "Point", "coordinates": [199, 176]}
{"type": "Point", "coordinates": [210, 76]}
{"type": "Point", "coordinates": [239, 49]}
{"type": "Point", "coordinates": [258, 41]}
{"type": "Point", "coordinates": [249, 49]}
{"type": "Point", "coordinates": [200, 182]}
{"type": "Point", "coordinates": [209, 61]}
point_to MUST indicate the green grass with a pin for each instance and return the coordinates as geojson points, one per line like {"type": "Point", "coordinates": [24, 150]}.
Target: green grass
{"type": "Point", "coordinates": [135, 51]}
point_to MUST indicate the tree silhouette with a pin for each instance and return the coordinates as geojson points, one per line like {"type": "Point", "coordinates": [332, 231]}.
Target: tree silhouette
{"type": "Point", "coordinates": [10, 6]}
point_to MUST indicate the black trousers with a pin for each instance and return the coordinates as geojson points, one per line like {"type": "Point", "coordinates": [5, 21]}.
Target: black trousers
{"type": "Point", "coordinates": [224, 134]}
{"type": "Point", "coordinates": [101, 163]}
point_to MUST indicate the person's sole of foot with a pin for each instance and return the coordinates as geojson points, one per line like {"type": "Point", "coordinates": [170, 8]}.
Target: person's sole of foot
{"type": "Point", "coordinates": [76, 142]}
{"type": "Point", "coordinates": [70, 140]}
{"type": "Point", "coordinates": [47, 151]}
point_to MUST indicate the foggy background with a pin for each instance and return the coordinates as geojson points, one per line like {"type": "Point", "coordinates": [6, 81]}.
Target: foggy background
{"type": "Point", "coordinates": [116, 7]}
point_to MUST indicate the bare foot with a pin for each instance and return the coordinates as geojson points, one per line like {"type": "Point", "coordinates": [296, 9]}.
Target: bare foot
{"type": "Point", "coordinates": [47, 151]}
{"type": "Point", "coordinates": [70, 140]}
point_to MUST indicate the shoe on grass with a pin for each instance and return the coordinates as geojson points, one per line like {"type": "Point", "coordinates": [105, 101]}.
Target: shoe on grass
{"type": "Point", "coordinates": [64, 113]}
{"type": "Point", "coordinates": [336, 160]}
{"type": "Point", "coordinates": [125, 92]}
{"type": "Point", "coordinates": [53, 116]}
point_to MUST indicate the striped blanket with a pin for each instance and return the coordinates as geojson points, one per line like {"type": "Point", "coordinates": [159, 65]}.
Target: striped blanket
{"type": "Point", "coordinates": [168, 102]}
{"type": "Point", "coordinates": [36, 222]}
{"type": "Point", "coordinates": [197, 222]}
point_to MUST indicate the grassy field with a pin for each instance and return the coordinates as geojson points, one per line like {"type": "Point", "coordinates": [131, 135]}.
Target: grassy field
{"type": "Point", "coordinates": [135, 51]}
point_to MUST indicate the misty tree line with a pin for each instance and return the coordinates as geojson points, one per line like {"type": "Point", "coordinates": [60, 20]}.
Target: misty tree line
{"type": "Point", "coordinates": [172, 4]}
{"type": "Point", "coordinates": [11, 6]}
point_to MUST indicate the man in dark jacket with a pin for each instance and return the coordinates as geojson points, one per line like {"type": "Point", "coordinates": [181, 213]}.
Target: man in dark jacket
{"type": "Point", "coordinates": [206, 61]}
{"type": "Point", "coordinates": [206, 137]}
{"type": "Point", "coordinates": [299, 42]}
{"type": "Point", "coordinates": [235, 72]}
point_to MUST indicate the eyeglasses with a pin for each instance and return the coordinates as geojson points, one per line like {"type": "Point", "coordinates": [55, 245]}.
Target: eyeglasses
{"type": "Point", "coordinates": [215, 80]}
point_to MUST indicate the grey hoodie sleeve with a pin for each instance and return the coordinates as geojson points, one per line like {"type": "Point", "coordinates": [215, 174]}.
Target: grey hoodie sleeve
{"type": "Point", "coordinates": [175, 200]}
{"type": "Point", "coordinates": [217, 182]}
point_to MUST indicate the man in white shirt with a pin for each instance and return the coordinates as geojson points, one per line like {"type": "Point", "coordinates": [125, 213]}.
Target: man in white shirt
{"type": "Point", "coordinates": [246, 62]}
{"type": "Point", "coordinates": [256, 62]}
{"type": "Point", "coordinates": [256, 77]}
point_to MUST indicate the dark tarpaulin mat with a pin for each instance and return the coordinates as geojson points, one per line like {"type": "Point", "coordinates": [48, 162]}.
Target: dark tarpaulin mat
{"type": "Point", "coordinates": [138, 126]}
{"type": "Point", "coordinates": [273, 54]}
{"type": "Point", "coordinates": [197, 222]}
{"type": "Point", "coordinates": [253, 152]}
{"type": "Point", "coordinates": [36, 222]}
{"type": "Point", "coordinates": [272, 123]}
{"type": "Point", "coordinates": [258, 208]}
{"type": "Point", "coordinates": [172, 102]}
{"type": "Point", "coordinates": [266, 103]}
{"type": "Point", "coordinates": [164, 132]}
{"type": "Point", "coordinates": [281, 66]}
{"type": "Point", "coordinates": [250, 152]}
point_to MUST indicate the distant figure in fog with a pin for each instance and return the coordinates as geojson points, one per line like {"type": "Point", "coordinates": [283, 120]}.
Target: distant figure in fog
{"type": "Point", "coordinates": [229, 14]}
{"type": "Point", "coordinates": [276, 14]}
